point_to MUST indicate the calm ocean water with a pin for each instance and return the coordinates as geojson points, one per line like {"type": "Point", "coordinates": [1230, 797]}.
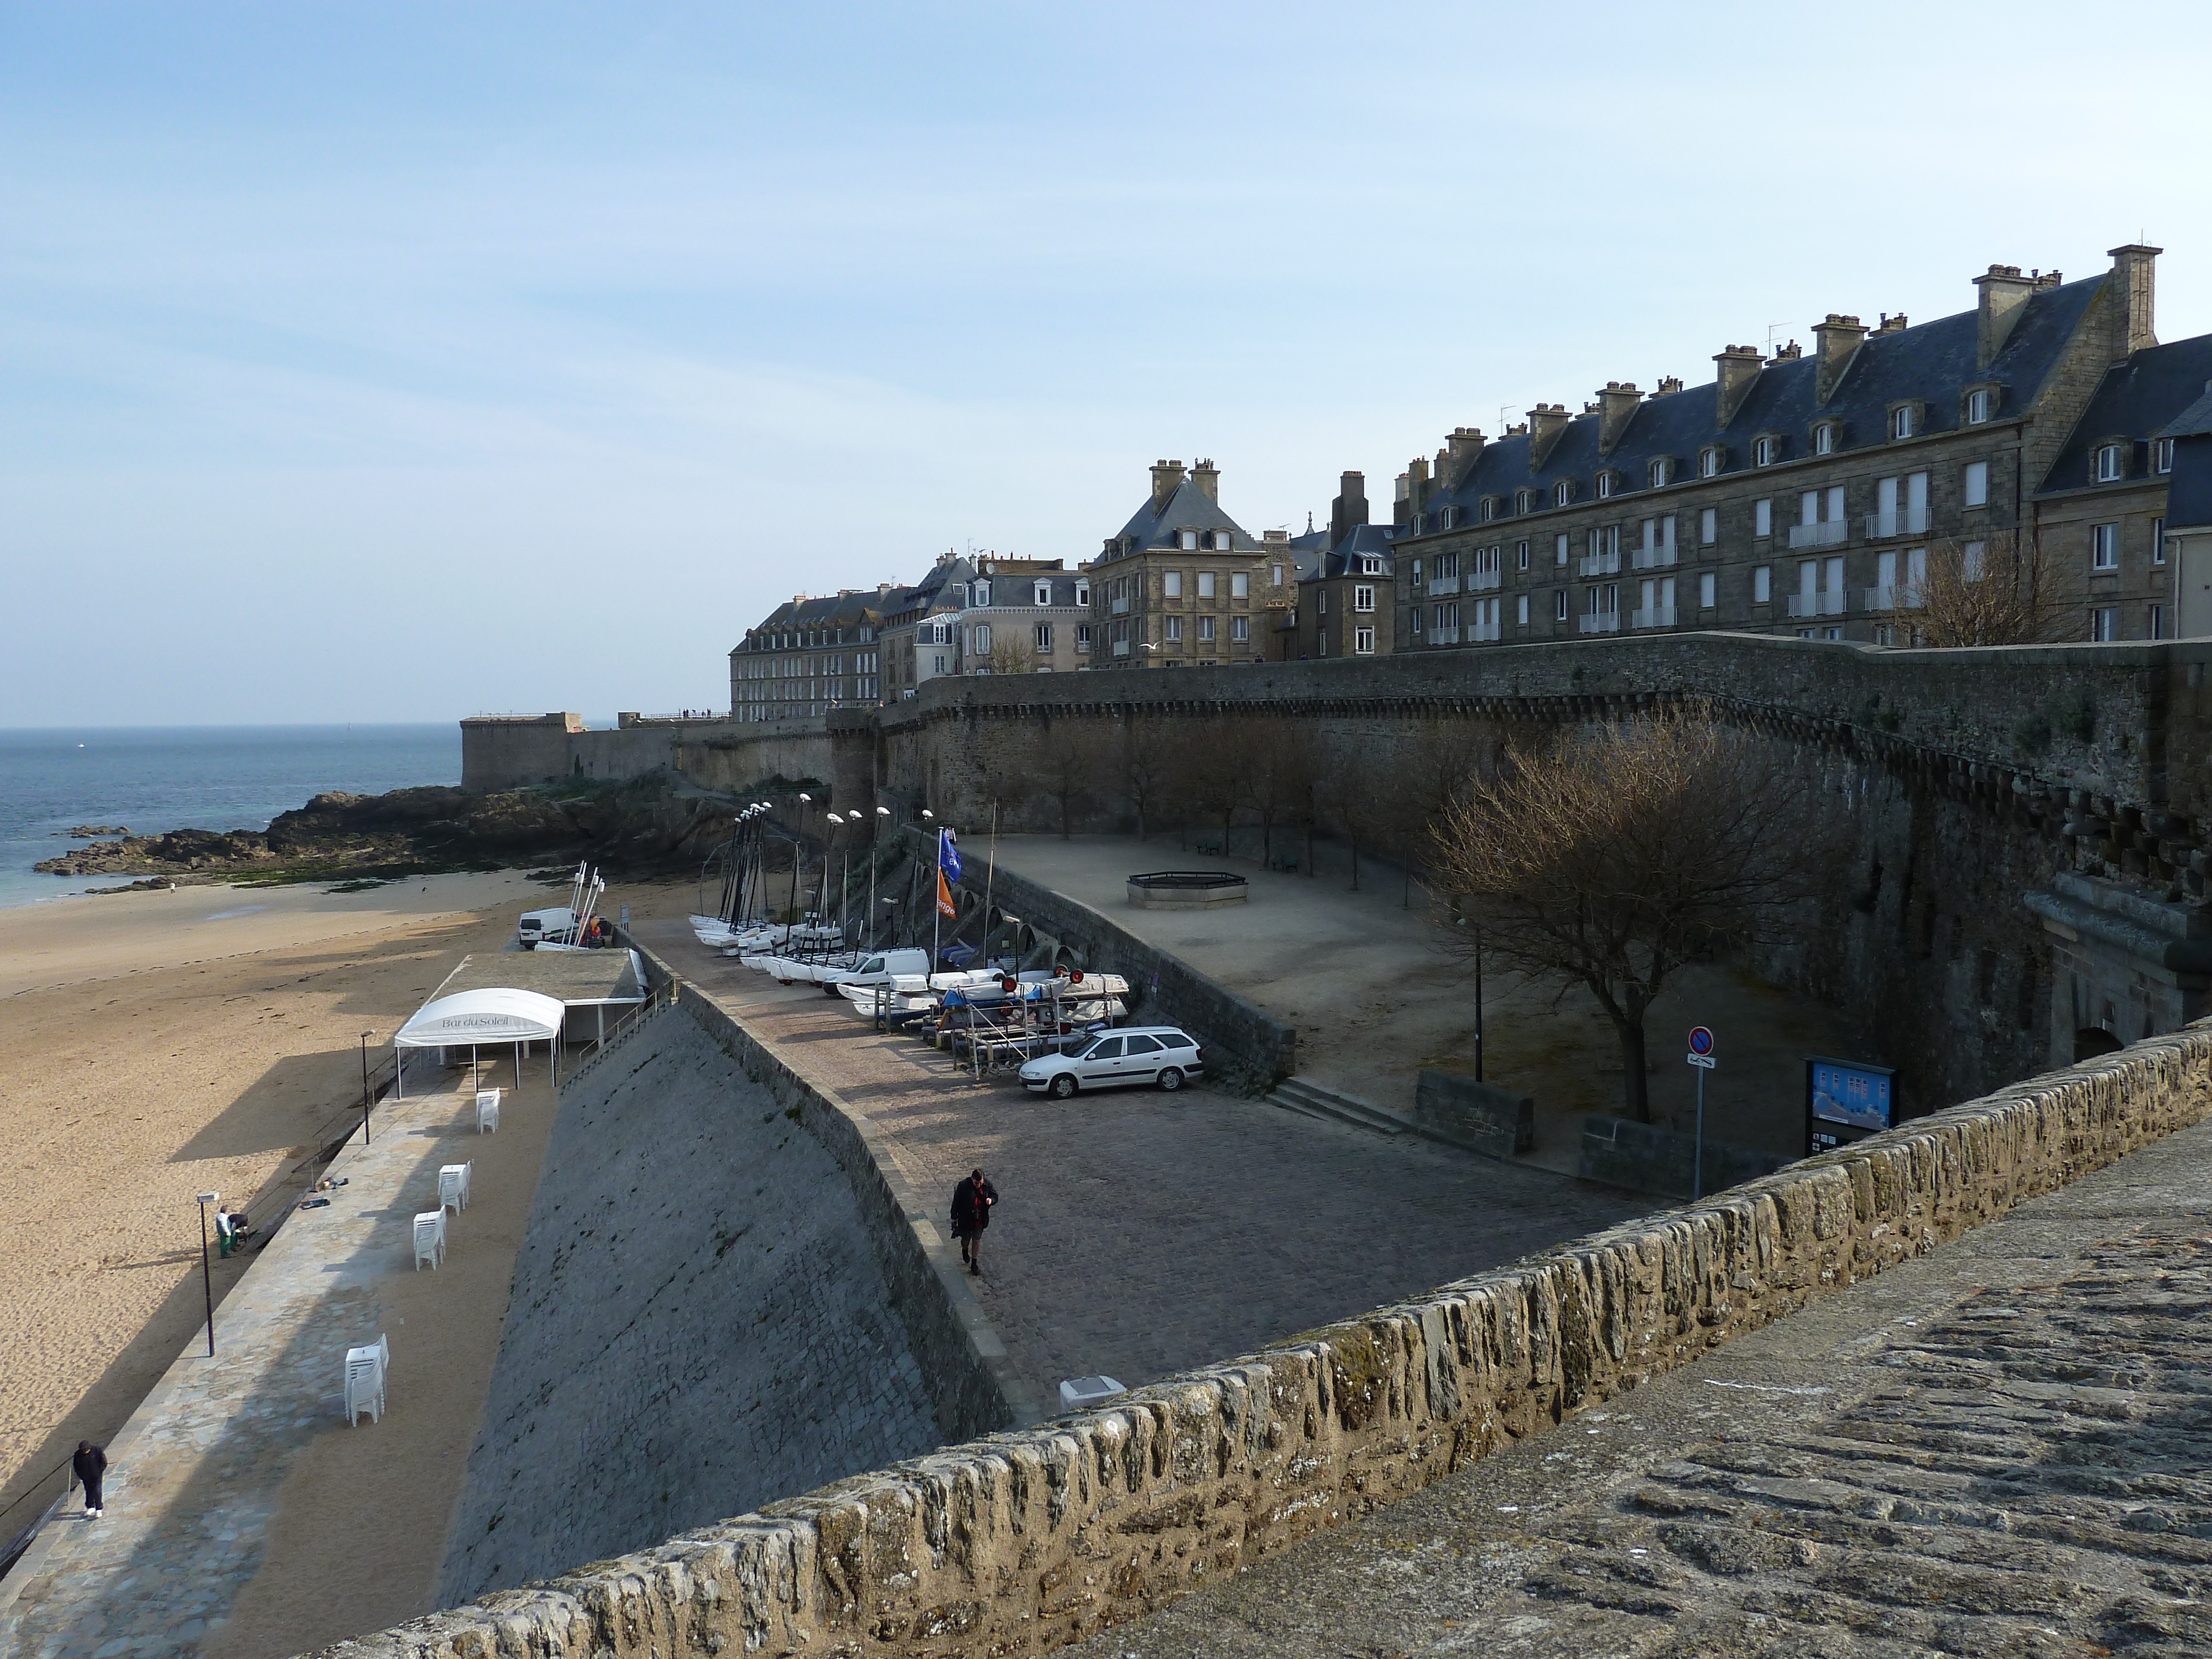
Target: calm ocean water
{"type": "Point", "coordinates": [208, 777]}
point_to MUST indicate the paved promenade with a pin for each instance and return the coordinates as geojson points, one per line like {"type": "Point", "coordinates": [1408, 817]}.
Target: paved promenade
{"type": "Point", "coordinates": [243, 1518]}
{"type": "Point", "coordinates": [1141, 1234]}
{"type": "Point", "coordinates": [2001, 1448]}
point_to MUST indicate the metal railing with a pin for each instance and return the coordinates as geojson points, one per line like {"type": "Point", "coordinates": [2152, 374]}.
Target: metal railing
{"type": "Point", "coordinates": [1832, 533]}
{"type": "Point", "coordinates": [1658, 616]}
{"type": "Point", "coordinates": [1602, 564]}
{"type": "Point", "coordinates": [1900, 522]}
{"type": "Point", "coordinates": [1598, 622]}
{"type": "Point", "coordinates": [1827, 603]}
{"type": "Point", "coordinates": [1439, 585]}
{"type": "Point", "coordinates": [1894, 599]}
{"type": "Point", "coordinates": [1486, 578]}
{"type": "Point", "coordinates": [1484, 632]}
{"type": "Point", "coordinates": [1658, 556]}
{"type": "Point", "coordinates": [1444, 635]}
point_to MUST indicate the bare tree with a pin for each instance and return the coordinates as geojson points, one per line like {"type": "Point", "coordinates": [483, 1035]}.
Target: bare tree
{"type": "Point", "coordinates": [1148, 770]}
{"type": "Point", "coordinates": [1433, 774]}
{"type": "Point", "coordinates": [1612, 859]}
{"type": "Point", "coordinates": [1213, 771]}
{"type": "Point", "coordinates": [1012, 655]}
{"type": "Point", "coordinates": [1999, 589]}
{"type": "Point", "coordinates": [1352, 802]}
{"type": "Point", "coordinates": [1070, 773]}
{"type": "Point", "coordinates": [1284, 773]}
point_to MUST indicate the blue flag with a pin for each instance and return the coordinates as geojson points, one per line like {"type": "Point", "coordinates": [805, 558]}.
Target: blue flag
{"type": "Point", "coordinates": [948, 855]}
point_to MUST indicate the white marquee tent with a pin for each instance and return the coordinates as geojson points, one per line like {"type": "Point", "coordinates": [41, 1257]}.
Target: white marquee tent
{"type": "Point", "coordinates": [469, 1018]}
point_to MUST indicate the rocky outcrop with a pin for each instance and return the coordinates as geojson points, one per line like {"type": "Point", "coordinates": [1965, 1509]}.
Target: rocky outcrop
{"type": "Point", "coordinates": [92, 831]}
{"type": "Point", "coordinates": [636, 828]}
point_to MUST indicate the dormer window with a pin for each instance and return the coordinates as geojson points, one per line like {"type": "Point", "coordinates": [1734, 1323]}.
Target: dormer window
{"type": "Point", "coordinates": [2111, 465]}
{"type": "Point", "coordinates": [1221, 541]}
{"type": "Point", "coordinates": [1524, 501]}
{"type": "Point", "coordinates": [1447, 518]}
{"type": "Point", "coordinates": [1766, 450]}
{"type": "Point", "coordinates": [1710, 459]}
{"type": "Point", "coordinates": [982, 591]}
{"type": "Point", "coordinates": [1371, 564]}
{"type": "Point", "coordinates": [1824, 438]}
{"type": "Point", "coordinates": [1489, 509]}
{"type": "Point", "coordinates": [1605, 485]}
{"type": "Point", "coordinates": [1562, 492]}
{"type": "Point", "coordinates": [1981, 402]}
{"type": "Point", "coordinates": [1083, 592]}
{"type": "Point", "coordinates": [1044, 593]}
{"type": "Point", "coordinates": [1188, 541]}
{"type": "Point", "coordinates": [1904, 420]}
{"type": "Point", "coordinates": [1662, 472]}
{"type": "Point", "coordinates": [2161, 455]}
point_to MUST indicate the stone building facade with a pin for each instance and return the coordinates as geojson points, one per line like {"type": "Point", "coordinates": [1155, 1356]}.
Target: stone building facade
{"type": "Point", "coordinates": [1344, 605]}
{"type": "Point", "coordinates": [811, 656]}
{"type": "Point", "coordinates": [1183, 585]}
{"type": "Point", "coordinates": [1023, 616]}
{"type": "Point", "coordinates": [918, 635]}
{"type": "Point", "coordinates": [1795, 495]}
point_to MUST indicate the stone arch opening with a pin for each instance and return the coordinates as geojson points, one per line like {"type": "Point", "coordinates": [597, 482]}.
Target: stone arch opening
{"type": "Point", "coordinates": [2090, 1041]}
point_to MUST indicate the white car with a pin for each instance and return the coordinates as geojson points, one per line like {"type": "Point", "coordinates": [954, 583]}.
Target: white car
{"type": "Point", "coordinates": [1160, 1054]}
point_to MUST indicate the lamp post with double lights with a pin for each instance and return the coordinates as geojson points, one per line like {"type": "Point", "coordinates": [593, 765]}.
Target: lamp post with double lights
{"type": "Point", "coordinates": [207, 1273]}
{"type": "Point", "coordinates": [365, 1036]}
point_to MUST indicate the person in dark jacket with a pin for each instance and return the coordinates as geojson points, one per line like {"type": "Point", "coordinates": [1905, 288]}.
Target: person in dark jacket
{"type": "Point", "coordinates": [90, 1467]}
{"type": "Point", "coordinates": [971, 1212]}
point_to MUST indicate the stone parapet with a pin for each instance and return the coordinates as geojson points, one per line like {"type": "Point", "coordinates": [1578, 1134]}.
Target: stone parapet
{"type": "Point", "coordinates": [1022, 1541]}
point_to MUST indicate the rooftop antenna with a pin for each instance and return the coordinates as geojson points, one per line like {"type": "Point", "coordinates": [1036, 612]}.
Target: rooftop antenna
{"type": "Point", "coordinates": [1773, 329]}
{"type": "Point", "coordinates": [1502, 408]}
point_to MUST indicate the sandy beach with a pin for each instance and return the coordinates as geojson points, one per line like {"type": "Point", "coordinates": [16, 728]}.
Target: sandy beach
{"type": "Point", "coordinates": [153, 1045]}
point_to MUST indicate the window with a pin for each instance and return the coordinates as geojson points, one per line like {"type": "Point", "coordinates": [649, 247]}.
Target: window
{"type": "Point", "coordinates": [1978, 406]}
{"type": "Point", "coordinates": [981, 634]}
{"type": "Point", "coordinates": [1174, 634]}
{"type": "Point", "coordinates": [1762, 518]}
{"type": "Point", "coordinates": [1970, 562]}
{"type": "Point", "coordinates": [1824, 438]}
{"type": "Point", "coordinates": [1604, 486]}
{"type": "Point", "coordinates": [2108, 467]}
{"type": "Point", "coordinates": [1978, 483]}
{"type": "Point", "coordinates": [2161, 455]}
{"type": "Point", "coordinates": [1522, 608]}
{"type": "Point", "coordinates": [2104, 623]}
{"type": "Point", "coordinates": [1240, 584]}
{"type": "Point", "coordinates": [1559, 605]}
{"type": "Point", "coordinates": [982, 591]}
{"type": "Point", "coordinates": [1363, 598]}
{"type": "Point", "coordinates": [1363, 641]}
{"type": "Point", "coordinates": [1559, 548]}
{"type": "Point", "coordinates": [1172, 584]}
{"type": "Point", "coordinates": [1275, 575]}
{"type": "Point", "coordinates": [1489, 509]}
{"type": "Point", "coordinates": [2103, 547]}
{"type": "Point", "coordinates": [1044, 639]}
{"type": "Point", "coordinates": [1205, 584]}
{"type": "Point", "coordinates": [1903, 421]}
{"type": "Point", "coordinates": [1708, 589]}
{"type": "Point", "coordinates": [1186, 540]}
{"type": "Point", "coordinates": [1447, 518]}
{"type": "Point", "coordinates": [1321, 602]}
{"type": "Point", "coordinates": [1562, 492]}
{"type": "Point", "coordinates": [1764, 451]}
{"type": "Point", "coordinates": [1221, 540]}
{"type": "Point", "coordinates": [1205, 630]}
{"type": "Point", "coordinates": [1083, 592]}
{"type": "Point", "coordinates": [1522, 554]}
{"type": "Point", "coordinates": [2155, 622]}
{"type": "Point", "coordinates": [1240, 628]}
{"type": "Point", "coordinates": [1708, 462]}
{"type": "Point", "coordinates": [1662, 472]}
{"type": "Point", "coordinates": [1709, 526]}
{"type": "Point", "coordinates": [1043, 594]}
{"type": "Point", "coordinates": [1762, 584]}
{"type": "Point", "coordinates": [1083, 636]}
{"type": "Point", "coordinates": [1524, 501]}
{"type": "Point", "coordinates": [2157, 542]}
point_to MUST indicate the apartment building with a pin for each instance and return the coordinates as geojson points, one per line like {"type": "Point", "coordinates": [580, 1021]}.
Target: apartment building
{"type": "Point", "coordinates": [1183, 585]}
{"type": "Point", "coordinates": [1023, 616]}
{"type": "Point", "coordinates": [919, 637]}
{"type": "Point", "coordinates": [1344, 606]}
{"type": "Point", "coordinates": [811, 656]}
{"type": "Point", "coordinates": [1796, 494]}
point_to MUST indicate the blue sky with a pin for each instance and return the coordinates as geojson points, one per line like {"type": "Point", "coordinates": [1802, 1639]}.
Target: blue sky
{"type": "Point", "coordinates": [404, 361]}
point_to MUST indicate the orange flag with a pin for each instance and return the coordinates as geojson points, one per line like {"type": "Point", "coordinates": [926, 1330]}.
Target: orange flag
{"type": "Point", "coordinates": [945, 898]}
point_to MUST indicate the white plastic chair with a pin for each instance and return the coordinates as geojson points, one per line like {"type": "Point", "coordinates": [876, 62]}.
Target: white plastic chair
{"type": "Point", "coordinates": [430, 1239]}
{"type": "Point", "coordinates": [453, 1186]}
{"type": "Point", "coordinates": [1077, 1392]}
{"type": "Point", "coordinates": [364, 1382]}
{"type": "Point", "coordinates": [487, 1111]}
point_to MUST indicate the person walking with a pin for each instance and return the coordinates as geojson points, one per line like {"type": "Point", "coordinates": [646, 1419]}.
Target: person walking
{"type": "Point", "coordinates": [971, 1212]}
{"type": "Point", "coordinates": [90, 1467]}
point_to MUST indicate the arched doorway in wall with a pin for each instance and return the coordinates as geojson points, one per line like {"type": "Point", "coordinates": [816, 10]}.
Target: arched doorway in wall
{"type": "Point", "coordinates": [2091, 1041]}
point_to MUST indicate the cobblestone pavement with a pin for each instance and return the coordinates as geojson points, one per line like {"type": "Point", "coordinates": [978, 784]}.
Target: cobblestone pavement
{"type": "Point", "coordinates": [1999, 1450]}
{"type": "Point", "coordinates": [1140, 1234]}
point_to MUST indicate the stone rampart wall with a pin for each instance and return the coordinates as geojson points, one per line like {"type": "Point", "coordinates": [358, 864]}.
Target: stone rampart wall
{"type": "Point", "coordinates": [1024, 1542]}
{"type": "Point", "coordinates": [511, 753]}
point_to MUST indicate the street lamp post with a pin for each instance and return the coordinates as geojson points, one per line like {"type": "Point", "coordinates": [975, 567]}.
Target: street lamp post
{"type": "Point", "coordinates": [207, 1274]}
{"type": "Point", "coordinates": [365, 1036]}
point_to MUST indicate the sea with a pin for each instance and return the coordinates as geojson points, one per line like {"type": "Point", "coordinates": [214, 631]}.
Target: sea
{"type": "Point", "coordinates": [148, 778]}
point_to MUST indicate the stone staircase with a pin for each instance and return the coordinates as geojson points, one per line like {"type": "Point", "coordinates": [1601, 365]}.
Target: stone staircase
{"type": "Point", "coordinates": [615, 1041]}
{"type": "Point", "coordinates": [1311, 1100]}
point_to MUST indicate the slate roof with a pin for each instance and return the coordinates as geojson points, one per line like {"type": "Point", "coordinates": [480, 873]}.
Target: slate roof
{"type": "Point", "coordinates": [1343, 559]}
{"type": "Point", "coordinates": [2139, 399]}
{"type": "Point", "coordinates": [1933, 361]}
{"type": "Point", "coordinates": [2194, 421]}
{"type": "Point", "coordinates": [828, 610]}
{"type": "Point", "coordinates": [1188, 508]}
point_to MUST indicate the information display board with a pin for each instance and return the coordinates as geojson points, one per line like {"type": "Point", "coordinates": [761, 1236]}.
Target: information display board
{"type": "Point", "coordinates": [1846, 1100]}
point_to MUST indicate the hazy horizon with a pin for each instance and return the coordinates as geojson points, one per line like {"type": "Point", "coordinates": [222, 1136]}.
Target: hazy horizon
{"type": "Point", "coordinates": [442, 360]}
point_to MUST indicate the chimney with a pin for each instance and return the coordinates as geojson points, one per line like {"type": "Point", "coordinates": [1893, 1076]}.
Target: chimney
{"type": "Point", "coordinates": [1207, 476]}
{"type": "Point", "coordinates": [2135, 266]}
{"type": "Point", "coordinates": [1668, 386]}
{"type": "Point", "coordinates": [1349, 510]}
{"type": "Point", "coordinates": [1614, 406]}
{"type": "Point", "coordinates": [1546, 422]}
{"type": "Point", "coordinates": [1462, 450]}
{"type": "Point", "coordinates": [1790, 354]}
{"type": "Point", "coordinates": [1167, 478]}
{"type": "Point", "coordinates": [1738, 371]}
{"type": "Point", "coordinates": [2003, 290]}
{"type": "Point", "coordinates": [1833, 343]}
{"type": "Point", "coordinates": [1891, 325]}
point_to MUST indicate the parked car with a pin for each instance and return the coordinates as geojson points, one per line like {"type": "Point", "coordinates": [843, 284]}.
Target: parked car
{"type": "Point", "coordinates": [1161, 1054]}
{"type": "Point", "coordinates": [882, 968]}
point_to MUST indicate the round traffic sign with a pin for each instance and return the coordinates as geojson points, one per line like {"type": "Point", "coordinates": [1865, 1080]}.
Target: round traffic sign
{"type": "Point", "coordinates": [1701, 1040]}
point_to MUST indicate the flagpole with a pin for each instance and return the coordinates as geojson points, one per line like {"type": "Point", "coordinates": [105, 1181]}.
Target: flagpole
{"type": "Point", "coordinates": [990, 873]}
{"type": "Point", "coordinates": [936, 909]}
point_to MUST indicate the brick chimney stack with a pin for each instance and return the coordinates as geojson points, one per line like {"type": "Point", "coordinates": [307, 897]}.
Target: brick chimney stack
{"type": "Point", "coordinates": [2135, 267]}
{"type": "Point", "coordinates": [2004, 291]}
{"type": "Point", "coordinates": [1668, 386]}
{"type": "Point", "coordinates": [1615, 405]}
{"type": "Point", "coordinates": [1462, 450]}
{"type": "Point", "coordinates": [1207, 477]}
{"type": "Point", "coordinates": [1349, 510]}
{"type": "Point", "coordinates": [1738, 371]}
{"type": "Point", "coordinates": [1167, 478]}
{"type": "Point", "coordinates": [1833, 343]}
{"type": "Point", "coordinates": [1546, 422]}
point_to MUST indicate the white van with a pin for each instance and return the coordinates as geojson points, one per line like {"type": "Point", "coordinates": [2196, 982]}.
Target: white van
{"type": "Point", "coordinates": [557, 925]}
{"type": "Point", "coordinates": [880, 969]}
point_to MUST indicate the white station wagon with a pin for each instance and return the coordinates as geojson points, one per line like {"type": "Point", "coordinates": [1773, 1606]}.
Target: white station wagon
{"type": "Point", "coordinates": [1159, 1054]}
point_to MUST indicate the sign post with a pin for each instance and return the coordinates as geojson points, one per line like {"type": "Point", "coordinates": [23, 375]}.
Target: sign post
{"type": "Point", "coordinates": [1701, 1059]}
{"type": "Point", "coordinates": [1846, 1100]}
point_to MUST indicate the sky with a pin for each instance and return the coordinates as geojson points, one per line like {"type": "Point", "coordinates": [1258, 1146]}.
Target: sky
{"type": "Point", "coordinates": [393, 362]}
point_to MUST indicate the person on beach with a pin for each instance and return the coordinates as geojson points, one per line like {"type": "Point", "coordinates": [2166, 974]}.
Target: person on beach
{"type": "Point", "coordinates": [971, 1212]}
{"type": "Point", "coordinates": [90, 1467]}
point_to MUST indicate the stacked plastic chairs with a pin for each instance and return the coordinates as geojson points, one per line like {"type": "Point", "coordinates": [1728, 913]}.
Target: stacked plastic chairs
{"type": "Point", "coordinates": [487, 1111]}
{"type": "Point", "coordinates": [430, 1238]}
{"type": "Point", "coordinates": [364, 1380]}
{"type": "Point", "coordinates": [453, 1186]}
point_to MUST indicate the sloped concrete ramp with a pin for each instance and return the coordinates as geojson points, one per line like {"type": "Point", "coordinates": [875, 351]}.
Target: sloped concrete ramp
{"type": "Point", "coordinates": [698, 1326]}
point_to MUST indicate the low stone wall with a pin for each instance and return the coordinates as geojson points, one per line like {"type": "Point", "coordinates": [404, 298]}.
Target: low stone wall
{"type": "Point", "coordinates": [1024, 1542]}
{"type": "Point", "coordinates": [1479, 1116]}
{"type": "Point", "coordinates": [1646, 1158]}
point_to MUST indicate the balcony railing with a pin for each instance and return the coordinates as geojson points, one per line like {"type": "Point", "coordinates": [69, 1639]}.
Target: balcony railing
{"type": "Point", "coordinates": [1121, 648]}
{"type": "Point", "coordinates": [1827, 603]}
{"type": "Point", "coordinates": [1486, 578]}
{"type": "Point", "coordinates": [1598, 622]}
{"type": "Point", "coordinates": [1444, 635]}
{"type": "Point", "coordinates": [1602, 564]}
{"type": "Point", "coordinates": [1832, 533]}
{"type": "Point", "coordinates": [1440, 585]}
{"type": "Point", "coordinates": [1659, 556]}
{"type": "Point", "coordinates": [1120, 605]}
{"type": "Point", "coordinates": [1894, 599]}
{"type": "Point", "coordinates": [1658, 616]}
{"type": "Point", "coordinates": [1482, 632]}
{"type": "Point", "coordinates": [1903, 521]}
